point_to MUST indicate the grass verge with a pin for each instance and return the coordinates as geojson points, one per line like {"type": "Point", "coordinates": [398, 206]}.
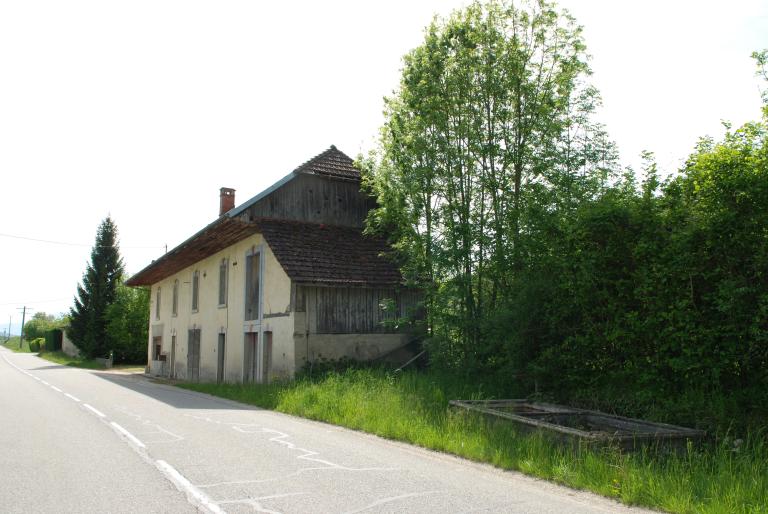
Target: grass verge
{"type": "Point", "coordinates": [13, 344]}
{"type": "Point", "coordinates": [79, 362]}
{"type": "Point", "coordinates": [413, 407]}
{"type": "Point", "coordinates": [66, 360]}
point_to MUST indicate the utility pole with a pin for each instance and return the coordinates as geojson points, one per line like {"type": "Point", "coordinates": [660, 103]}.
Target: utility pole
{"type": "Point", "coordinates": [10, 318]}
{"type": "Point", "coordinates": [23, 315]}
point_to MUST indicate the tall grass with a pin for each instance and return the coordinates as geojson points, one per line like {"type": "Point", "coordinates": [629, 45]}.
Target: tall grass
{"type": "Point", "coordinates": [725, 477]}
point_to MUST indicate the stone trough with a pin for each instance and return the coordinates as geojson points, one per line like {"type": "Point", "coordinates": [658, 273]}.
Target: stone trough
{"type": "Point", "coordinates": [580, 425]}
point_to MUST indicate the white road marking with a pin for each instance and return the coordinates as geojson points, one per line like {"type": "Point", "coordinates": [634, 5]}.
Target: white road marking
{"type": "Point", "coordinates": [132, 438]}
{"type": "Point", "coordinates": [194, 495]}
{"type": "Point", "coordinates": [95, 411]}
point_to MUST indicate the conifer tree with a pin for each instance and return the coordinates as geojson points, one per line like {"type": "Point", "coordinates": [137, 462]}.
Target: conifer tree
{"type": "Point", "coordinates": [88, 325]}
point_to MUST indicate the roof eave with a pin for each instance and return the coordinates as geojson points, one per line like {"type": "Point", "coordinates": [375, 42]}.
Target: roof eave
{"type": "Point", "coordinates": [227, 229]}
{"type": "Point", "coordinates": [347, 283]}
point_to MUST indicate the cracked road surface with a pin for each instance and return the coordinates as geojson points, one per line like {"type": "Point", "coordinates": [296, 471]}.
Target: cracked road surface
{"type": "Point", "coordinates": [75, 440]}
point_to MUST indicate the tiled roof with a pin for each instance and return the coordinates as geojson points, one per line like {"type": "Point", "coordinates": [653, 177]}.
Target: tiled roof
{"type": "Point", "coordinates": [218, 235]}
{"type": "Point", "coordinates": [312, 253]}
{"type": "Point", "coordinates": [332, 163]}
{"type": "Point", "coordinates": [309, 252]}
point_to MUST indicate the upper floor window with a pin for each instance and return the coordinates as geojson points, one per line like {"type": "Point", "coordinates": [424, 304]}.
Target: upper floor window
{"type": "Point", "coordinates": [157, 304]}
{"type": "Point", "coordinates": [175, 304]}
{"type": "Point", "coordinates": [195, 291]}
{"type": "Point", "coordinates": [223, 272]}
{"type": "Point", "coordinates": [252, 285]}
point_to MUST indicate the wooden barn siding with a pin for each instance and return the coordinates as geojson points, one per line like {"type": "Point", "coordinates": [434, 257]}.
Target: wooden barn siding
{"type": "Point", "coordinates": [315, 199]}
{"type": "Point", "coordinates": [351, 310]}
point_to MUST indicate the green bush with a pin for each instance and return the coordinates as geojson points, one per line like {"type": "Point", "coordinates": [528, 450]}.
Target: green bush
{"type": "Point", "coordinates": [37, 344]}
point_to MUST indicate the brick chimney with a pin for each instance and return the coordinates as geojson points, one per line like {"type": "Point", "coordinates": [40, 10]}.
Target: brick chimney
{"type": "Point", "coordinates": [226, 200]}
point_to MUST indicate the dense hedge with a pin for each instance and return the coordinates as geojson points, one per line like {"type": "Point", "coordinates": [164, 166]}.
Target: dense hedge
{"type": "Point", "coordinates": [650, 299]}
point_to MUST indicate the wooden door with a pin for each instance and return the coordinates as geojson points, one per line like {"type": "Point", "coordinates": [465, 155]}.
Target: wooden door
{"type": "Point", "coordinates": [173, 357]}
{"type": "Point", "coordinates": [193, 356]}
{"type": "Point", "coordinates": [266, 357]}
{"type": "Point", "coordinates": [250, 357]}
{"type": "Point", "coordinates": [220, 367]}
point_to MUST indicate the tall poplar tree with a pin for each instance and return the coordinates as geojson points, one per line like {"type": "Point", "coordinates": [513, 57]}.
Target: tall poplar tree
{"type": "Point", "coordinates": [88, 317]}
{"type": "Point", "coordinates": [488, 145]}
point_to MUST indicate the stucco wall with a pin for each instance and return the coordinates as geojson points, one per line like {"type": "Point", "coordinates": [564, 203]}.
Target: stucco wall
{"type": "Point", "coordinates": [212, 319]}
{"type": "Point", "coordinates": [293, 343]}
{"type": "Point", "coordinates": [68, 346]}
{"type": "Point", "coordinates": [312, 347]}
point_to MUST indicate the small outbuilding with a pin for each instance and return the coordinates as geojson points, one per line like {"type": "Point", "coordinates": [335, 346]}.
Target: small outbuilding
{"type": "Point", "coordinates": [285, 279]}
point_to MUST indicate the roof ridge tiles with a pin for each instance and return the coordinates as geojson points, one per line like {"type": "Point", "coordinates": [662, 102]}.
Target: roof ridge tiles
{"type": "Point", "coordinates": [331, 162]}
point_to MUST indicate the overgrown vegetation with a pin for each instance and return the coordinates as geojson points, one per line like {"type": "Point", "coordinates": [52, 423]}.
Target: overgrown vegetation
{"type": "Point", "coordinates": [544, 265]}
{"type": "Point", "coordinates": [727, 477]}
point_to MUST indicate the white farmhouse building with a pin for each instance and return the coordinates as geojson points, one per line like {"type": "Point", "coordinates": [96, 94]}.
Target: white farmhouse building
{"type": "Point", "coordinates": [284, 279]}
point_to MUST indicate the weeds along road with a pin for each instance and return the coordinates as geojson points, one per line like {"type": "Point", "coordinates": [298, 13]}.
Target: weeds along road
{"type": "Point", "coordinates": [75, 440]}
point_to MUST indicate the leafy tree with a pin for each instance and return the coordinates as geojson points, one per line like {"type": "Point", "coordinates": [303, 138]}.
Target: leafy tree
{"type": "Point", "coordinates": [42, 323]}
{"type": "Point", "coordinates": [487, 146]}
{"type": "Point", "coordinates": [128, 322]}
{"type": "Point", "coordinates": [88, 321]}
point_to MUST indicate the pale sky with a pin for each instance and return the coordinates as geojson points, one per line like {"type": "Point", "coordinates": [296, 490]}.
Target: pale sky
{"type": "Point", "coordinates": [142, 110]}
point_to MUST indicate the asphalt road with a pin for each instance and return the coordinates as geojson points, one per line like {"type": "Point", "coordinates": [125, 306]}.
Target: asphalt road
{"type": "Point", "coordinates": [75, 440]}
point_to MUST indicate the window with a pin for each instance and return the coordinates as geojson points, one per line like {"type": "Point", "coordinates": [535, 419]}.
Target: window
{"type": "Point", "coordinates": [157, 304]}
{"type": "Point", "coordinates": [157, 349]}
{"type": "Point", "coordinates": [252, 276]}
{"type": "Point", "coordinates": [195, 291]}
{"type": "Point", "coordinates": [223, 271]}
{"type": "Point", "coordinates": [175, 310]}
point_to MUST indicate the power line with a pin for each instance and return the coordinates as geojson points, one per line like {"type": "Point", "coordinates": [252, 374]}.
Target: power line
{"type": "Point", "coordinates": [36, 302]}
{"type": "Point", "coordinates": [70, 244]}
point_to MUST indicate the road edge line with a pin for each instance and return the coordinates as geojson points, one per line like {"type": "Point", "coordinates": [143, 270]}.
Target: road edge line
{"type": "Point", "coordinates": [95, 410]}
{"type": "Point", "coordinates": [132, 438]}
{"type": "Point", "coordinates": [194, 495]}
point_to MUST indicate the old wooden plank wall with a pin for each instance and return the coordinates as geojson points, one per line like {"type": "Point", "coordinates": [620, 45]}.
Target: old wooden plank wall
{"type": "Point", "coordinates": [352, 310]}
{"type": "Point", "coordinates": [315, 199]}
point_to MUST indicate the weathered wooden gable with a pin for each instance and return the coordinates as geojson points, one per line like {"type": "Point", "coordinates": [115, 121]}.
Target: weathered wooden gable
{"type": "Point", "coordinates": [314, 199]}
{"type": "Point", "coordinates": [353, 310]}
